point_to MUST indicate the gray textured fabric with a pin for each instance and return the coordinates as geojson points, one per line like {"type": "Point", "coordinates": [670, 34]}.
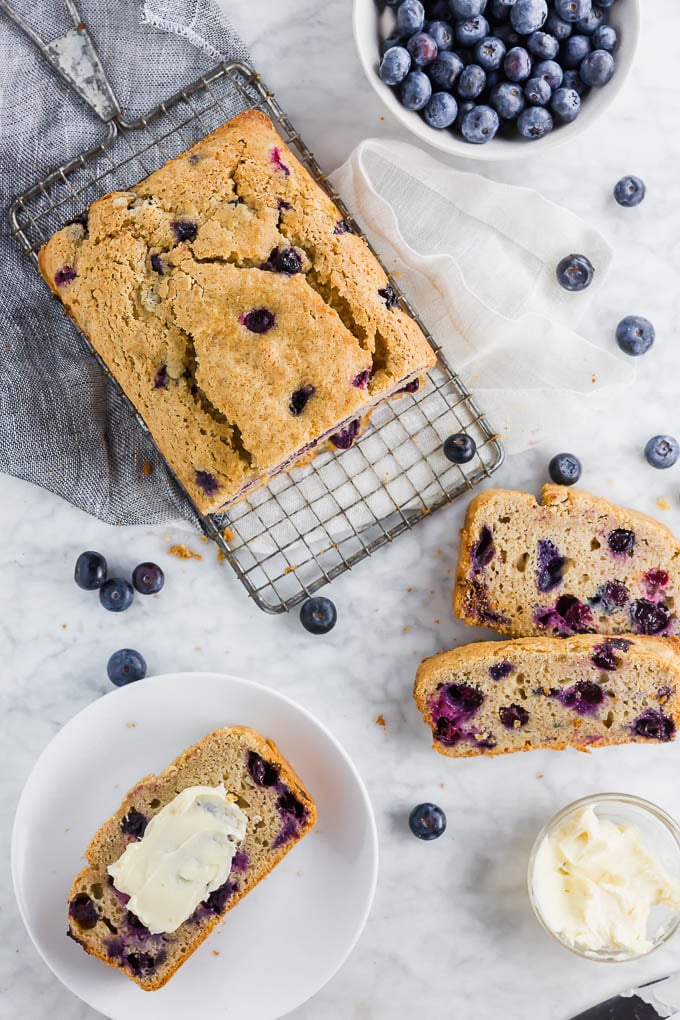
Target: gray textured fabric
{"type": "Point", "coordinates": [62, 426]}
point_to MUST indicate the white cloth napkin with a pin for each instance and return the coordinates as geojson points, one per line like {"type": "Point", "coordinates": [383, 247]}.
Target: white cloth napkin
{"type": "Point", "coordinates": [477, 259]}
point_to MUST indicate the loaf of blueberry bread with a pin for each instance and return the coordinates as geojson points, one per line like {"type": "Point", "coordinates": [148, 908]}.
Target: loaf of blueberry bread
{"type": "Point", "coordinates": [237, 310]}
{"type": "Point", "coordinates": [183, 848]}
{"type": "Point", "coordinates": [572, 564]}
{"type": "Point", "coordinates": [586, 691]}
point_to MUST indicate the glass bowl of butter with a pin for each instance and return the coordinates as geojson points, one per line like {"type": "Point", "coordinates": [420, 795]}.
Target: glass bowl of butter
{"type": "Point", "coordinates": [604, 877]}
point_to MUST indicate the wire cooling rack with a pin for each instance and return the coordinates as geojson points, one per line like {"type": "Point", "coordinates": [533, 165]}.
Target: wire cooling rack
{"type": "Point", "coordinates": [308, 526]}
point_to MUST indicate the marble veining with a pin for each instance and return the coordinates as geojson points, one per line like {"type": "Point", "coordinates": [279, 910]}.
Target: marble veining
{"type": "Point", "coordinates": [451, 933]}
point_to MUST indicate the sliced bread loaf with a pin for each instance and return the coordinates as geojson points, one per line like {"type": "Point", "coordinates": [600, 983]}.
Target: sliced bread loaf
{"type": "Point", "coordinates": [495, 697]}
{"type": "Point", "coordinates": [279, 811]}
{"type": "Point", "coordinates": [573, 564]}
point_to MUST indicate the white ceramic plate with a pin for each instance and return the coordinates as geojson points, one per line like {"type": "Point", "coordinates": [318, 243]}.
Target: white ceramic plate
{"type": "Point", "coordinates": [277, 947]}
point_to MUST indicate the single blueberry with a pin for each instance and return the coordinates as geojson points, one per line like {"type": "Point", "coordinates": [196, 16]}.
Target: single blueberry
{"type": "Point", "coordinates": [125, 667]}
{"type": "Point", "coordinates": [550, 71]}
{"type": "Point", "coordinates": [463, 109]}
{"type": "Point", "coordinates": [258, 320]}
{"type": "Point", "coordinates": [583, 697]}
{"type": "Point", "coordinates": [480, 125]}
{"type": "Point", "coordinates": [427, 821]}
{"type": "Point", "coordinates": [459, 448]}
{"type": "Point", "coordinates": [537, 92]}
{"type": "Point", "coordinates": [489, 53]}
{"type": "Point", "coordinates": [500, 670]}
{"type": "Point", "coordinates": [410, 387]}
{"type": "Point", "coordinates": [662, 451]}
{"type": "Point", "coordinates": [299, 399]}
{"type": "Point", "coordinates": [513, 716]}
{"type": "Point", "coordinates": [574, 49]}
{"type": "Point", "coordinates": [528, 16]}
{"type": "Point", "coordinates": [572, 10]}
{"type": "Point", "coordinates": [90, 570]}
{"type": "Point", "coordinates": [621, 540]}
{"type": "Point", "coordinates": [558, 27]}
{"type": "Point", "coordinates": [388, 294]}
{"type": "Point", "coordinates": [576, 615]}
{"type": "Point", "coordinates": [64, 275]}
{"type": "Point", "coordinates": [422, 48]}
{"type": "Point", "coordinates": [590, 23]}
{"type": "Point", "coordinates": [517, 64]}
{"type": "Point", "coordinates": [573, 80]}
{"type": "Point", "coordinates": [597, 68]}
{"type": "Point", "coordinates": [635, 335]}
{"type": "Point", "coordinates": [603, 657]}
{"type": "Point", "coordinates": [157, 263]}
{"type": "Point", "coordinates": [605, 38]}
{"type": "Point", "coordinates": [343, 439]}
{"type": "Point", "coordinates": [534, 122]}
{"type": "Point", "coordinates": [286, 260]}
{"type": "Point", "coordinates": [116, 594]}
{"type": "Point", "coordinates": [500, 9]}
{"type": "Point", "coordinates": [342, 227]}
{"type": "Point", "coordinates": [83, 911]}
{"type": "Point", "coordinates": [442, 33]}
{"type": "Point", "coordinates": [148, 578]}
{"type": "Point", "coordinates": [507, 99]}
{"type": "Point", "coordinates": [318, 615]}
{"type": "Point", "coordinates": [472, 30]}
{"type": "Point", "coordinates": [564, 469]}
{"type": "Point", "coordinates": [184, 230]}
{"type": "Point", "coordinates": [575, 272]}
{"type": "Point", "coordinates": [506, 33]}
{"type": "Point", "coordinates": [207, 483]}
{"type": "Point", "coordinates": [654, 725]}
{"type": "Point", "coordinates": [648, 618]}
{"type": "Point", "coordinates": [161, 378]}
{"type": "Point", "coordinates": [446, 69]}
{"type": "Point", "coordinates": [441, 111]}
{"type": "Point", "coordinates": [483, 551]}
{"type": "Point", "coordinates": [543, 46]}
{"type": "Point", "coordinates": [471, 82]}
{"type": "Point", "coordinates": [217, 900]}
{"type": "Point", "coordinates": [410, 17]}
{"type": "Point", "coordinates": [240, 861]}
{"type": "Point", "coordinates": [565, 104]}
{"type": "Point", "coordinates": [550, 566]}
{"type": "Point", "coordinates": [360, 381]}
{"type": "Point", "coordinates": [395, 65]}
{"type": "Point", "coordinates": [611, 595]}
{"type": "Point", "coordinates": [416, 91]}
{"type": "Point", "coordinates": [460, 700]}
{"type": "Point", "coordinates": [263, 773]}
{"type": "Point", "coordinates": [467, 8]}
{"type": "Point", "coordinates": [630, 191]}
{"type": "Point", "coordinates": [134, 823]}
{"type": "Point", "coordinates": [389, 42]}
{"type": "Point", "coordinates": [439, 10]}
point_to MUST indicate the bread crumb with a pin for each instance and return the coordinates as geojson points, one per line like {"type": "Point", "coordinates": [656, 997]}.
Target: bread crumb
{"type": "Point", "coordinates": [290, 568]}
{"type": "Point", "coordinates": [441, 786]}
{"type": "Point", "coordinates": [409, 589]}
{"type": "Point", "coordinates": [380, 720]}
{"type": "Point", "coordinates": [438, 552]}
{"type": "Point", "coordinates": [449, 571]}
{"type": "Point", "coordinates": [204, 539]}
{"type": "Point", "coordinates": [594, 379]}
{"type": "Point", "coordinates": [197, 648]}
{"type": "Point", "coordinates": [64, 626]}
{"type": "Point", "coordinates": [216, 952]}
{"type": "Point", "coordinates": [405, 629]}
{"type": "Point", "coordinates": [131, 725]}
{"type": "Point", "coordinates": [182, 552]}
{"type": "Point", "coordinates": [663, 503]}
{"type": "Point", "coordinates": [148, 468]}
{"type": "Point", "coordinates": [221, 557]}
{"type": "Point", "coordinates": [540, 775]}
{"type": "Point", "coordinates": [228, 535]}
{"type": "Point", "coordinates": [436, 621]}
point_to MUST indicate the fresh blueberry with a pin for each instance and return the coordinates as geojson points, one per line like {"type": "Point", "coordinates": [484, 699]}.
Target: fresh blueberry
{"type": "Point", "coordinates": [125, 666]}
{"type": "Point", "coordinates": [597, 68]}
{"type": "Point", "coordinates": [575, 272]}
{"type": "Point", "coordinates": [286, 260]}
{"type": "Point", "coordinates": [427, 821]}
{"type": "Point", "coordinates": [416, 90]}
{"type": "Point", "coordinates": [528, 16]}
{"type": "Point", "coordinates": [389, 42]}
{"type": "Point", "coordinates": [441, 111]}
{"type": "Point", "coordinates": [463, 109]}
{"type": "Point", "coordinates": [654, 725]}
{"type": "Point", "coordinates": [506, 33]}
{"type": "Point", "coordinates": [446, 69]}
{"type": "Point", "coordinates": [90, 571]}
{"type": "Point", "coordinates": [558, 27]}
{"type": "Point", "coordinates": [534, 122]}
{"type": "Point", "coordinates": [318, 615]}
{"type": "Point", "coordinates": [537, 92]}
{"type": "Point", "coordinates": [467, 8]}
{"type": "Point", "coordinates": [572, 10]}
{"type": "Point", "coordinates": [662, 451]}
{"type": "Point", "coordinates": [116, 594]}
{"type": "Point", "coordinates": [630, 191]}
{"type": "Point", "coordinates": [471, 82]}
{"type": "Point", "coordinates": [543, 45]}
{"type": "Point", "coordinates": [480, 125]}
{"type": "Point", "coordinates": [500, 9]}
{"type": "Point", "coordinates": [459, 448]}
{"type": "Point", "coordinates": [439, 10]}
{"type": "Point", "coordinates": [550, 71]}
{"type": "Point", "coordinates": [635, 335]}
{"type": "Point", "coordinates": [442, 33]}
{"type": "Point", "coordinates": [507, 100]}
{"type": "Point", "coordinates": [648, 618]}
{"type": "Point", "coordinates": [574, 50]}
{"type": "Point", "coordinates": [564, 469]}
{"type": "Point", "coordinates": [259, 320]}
{"type": "Point", "coordinates": [517, 64]}
{"type": "Point", "coordinates": [565, 104]}
{"type": "Point", "coordinates": [573, 80]}
{"type": "Point", "coordinates": [410, 17]}
{"type": "Point", "coordinates": [489, 53]}
{"type": "Point", "coordinates": [605, 38]}
{"type": "Point", "coordinates": [148, 578]}
{"type": "Point", "coordinates": [592, 21]}
{"type": "Point", "coordinates": [621, 540]}
{"type": "Point", "coordinates": [423, 49]}
{"type": "Point", "coordinates": [472, 30]}
{"type": "Point", "coordinates": [395, 65]}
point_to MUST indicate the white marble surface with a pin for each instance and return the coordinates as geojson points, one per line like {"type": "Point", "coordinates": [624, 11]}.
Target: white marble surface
{"type": "Point", "coordinates": [451, 933]}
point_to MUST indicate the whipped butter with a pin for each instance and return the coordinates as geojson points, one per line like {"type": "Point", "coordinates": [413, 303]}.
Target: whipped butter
{"type": "Point", "coordinates": [595, 884]}
{"type": "Point", "coordinates": [184, 855]}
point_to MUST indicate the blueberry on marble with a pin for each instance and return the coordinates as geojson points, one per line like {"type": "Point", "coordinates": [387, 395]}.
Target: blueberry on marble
{"type": "Point", "coordinates": [472, 30]}
{"type": "Point", "coordinates": [148, 578]}
{"type": "Point", "coordinates": [318, 615]}
{"type": "Point", "coordinates": [574, 50]}
{"type": "Point", "coordinates": [82, 910]}
{"type": "Point", "coordinates": [527, 16]}
{"type": "Point", "coordinates": [635, 335]}
{"type": "Point", "coordinates": [116, 594]}
{"type": "Point", "coordinates": [513, 716]}
{"type": "Point", "coordinates": [471, 82]}
{"type": "Point", "coordinates": [480, 125]}
{"type": "Point", "coordinates": [134, 823]}
{"type": "Point", "coordinates": [157, 263]}
{"type": "Point", "coordinates": [184, 230]}
{"type": "Point", "coordinates": [442, 33]}
{"type": "Point", "coordinates": [207, 483]}
{"type": "Point", "coordinates": [489, 53]}
{"type": "Point", "coordinates": [422, 49]}
{"type": "Point", "coordinates": [395, 65]}
{"type": "Point", "coordinates": [286, 260]}
{"type": "Point", "coordinates": [517, 64]}
{"type": "Point", "coordinates": [300, 398]}
{"type": "Point", "coordinates": [441, 111]}
{"type": "Point", "coordinates": [64, 275]}
{"type": "Point", "coordinates": [161, 378]}
{"type": "Point", "coordinates": [572, 10]}
{"type": "Point", "coordinates": [648, 617]}
{"type": "Point", "coordinates": [507, 99]}
{"type": "Point", "coordinates": [550, 71]}
{"type": "Point", "coordinates": [621, 540]}
{"type": "Point", "coordinates": [605, 38]}
{"type": "Point", "coordinates": [416, 90]}
{"type": "Point", "coordinates": [597, 68]}
{"type": "Point", "coordinates": [575, 272]}
{"type": "Point", "coordinates": [263, 773]}
{"type": "Point", "coordinates": [459, 448]}
{"type": "Point", "coordinates": [446, 69]}
{"type": "Point", "coordinates": [543, 46]}
{"type": "Point", "coordinates": [564, 469]}
{"type": "Point", "coordinates": [537, 92]}
{"type": "Point", "coordinates": [662, 451]}
{"type": "Point", "coordinates": [90, 570]}
{"type": "Point", "coordinates": [410, 17]}
{"type": "Point", "coordinates": [343, 439]}
{"type": "Point", "coordinates": [258, 320]}
{"type": "Point", "coordinates": [654, 725]}
{"type": "Point", "coordinates": [427, 821]}
{"type": "Point", "coordinates": [534, 122]}
{"type": "Point", "coordinates": [125, 667]}
{"type": "Point", "coordinates": [558, 27]}
{"type": "Point", "coordinates": [630, 191]}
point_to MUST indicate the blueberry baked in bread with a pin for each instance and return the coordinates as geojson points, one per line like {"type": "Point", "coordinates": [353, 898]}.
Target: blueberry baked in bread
{"type": "Point", "coordinates": [586, 691]}
{"type": "Point", "coordinates": [237, 310]}
{"type": "Point", "coordinates": [183, 848]}
{"type": "Point", "coordinates": [572, 564]}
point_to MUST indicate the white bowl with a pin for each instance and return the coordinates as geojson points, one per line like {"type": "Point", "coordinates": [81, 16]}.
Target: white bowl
{"type": "Point", "coordinates": [370, 26]}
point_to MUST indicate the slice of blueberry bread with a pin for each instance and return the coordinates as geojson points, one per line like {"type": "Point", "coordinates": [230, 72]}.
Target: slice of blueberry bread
{"type": "Point", "coordinates": [572, 564]}
{"type": "Point", "coordinates": [244, 319]}
{"type": "Point", "coordinates": [586, 691]}
{"type": "Point", "coordinates": [274, 809]}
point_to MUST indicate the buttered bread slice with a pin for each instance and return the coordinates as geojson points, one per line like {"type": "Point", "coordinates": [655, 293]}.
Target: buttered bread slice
{"type": "Point", "coordinates": [495, 697]}
{"type": "Point", "coordinates": [572, 564]}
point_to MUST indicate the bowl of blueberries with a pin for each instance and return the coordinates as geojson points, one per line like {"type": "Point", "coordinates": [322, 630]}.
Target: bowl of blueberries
{"type": "Point", "coordinates": [496, 79]}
